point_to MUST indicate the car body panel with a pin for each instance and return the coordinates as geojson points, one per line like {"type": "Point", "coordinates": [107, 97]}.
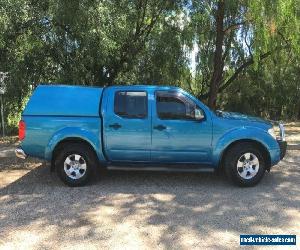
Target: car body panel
{"type": "Point", "coordinates": [63, 100]}
{"type": "Point", "coordinates": [132, 141]}
{"type": "Point", "coordinates": [44, 133]}
{"type": "Point", "coordinates": [183, 141]}
{"type": "Point", "coordinates": [222, 141]}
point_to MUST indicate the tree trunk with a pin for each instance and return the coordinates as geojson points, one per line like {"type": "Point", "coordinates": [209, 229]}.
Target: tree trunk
{"type": "Point", "coordinates": [218, 54]}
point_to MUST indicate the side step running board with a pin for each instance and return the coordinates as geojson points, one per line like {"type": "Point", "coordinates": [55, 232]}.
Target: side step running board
{"type": "Point", "coordinates": [165, 169]}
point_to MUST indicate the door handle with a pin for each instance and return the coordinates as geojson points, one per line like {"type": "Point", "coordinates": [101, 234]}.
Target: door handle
{"type": "Point", "coordinates": [115, 126]}
{"type": "Point", "coordinates": [160, 127]}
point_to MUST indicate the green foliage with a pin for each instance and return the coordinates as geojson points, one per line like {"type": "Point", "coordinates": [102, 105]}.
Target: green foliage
{"type": "Point", "coordinates": [272, 91]}
{"type": "Point", "coordinates": [104, 42]}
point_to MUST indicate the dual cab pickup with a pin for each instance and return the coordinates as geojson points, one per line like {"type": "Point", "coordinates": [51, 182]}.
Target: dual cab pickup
{"type": "Point", "coordinates": [143, 128]}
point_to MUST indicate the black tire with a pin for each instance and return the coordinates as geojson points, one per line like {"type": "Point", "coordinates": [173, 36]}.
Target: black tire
{"type": "Point", "coordinates": [232, 157]}
{"type": "Point", "coordinates": [88, 159]}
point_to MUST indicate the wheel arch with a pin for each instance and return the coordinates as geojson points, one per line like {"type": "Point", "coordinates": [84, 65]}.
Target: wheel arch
{"type": "Point", "coordinates": [70, 140]}
{"type": "Point", "coordinates": [257, 144]}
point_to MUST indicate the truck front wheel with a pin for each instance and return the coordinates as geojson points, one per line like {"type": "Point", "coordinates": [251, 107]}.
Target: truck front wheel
{"type": "Point", "coordinates": [74, 163]}
{"type": "Point", "coordinates": [244, 164]}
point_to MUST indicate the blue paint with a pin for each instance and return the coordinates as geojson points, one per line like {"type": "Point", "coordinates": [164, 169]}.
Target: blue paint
{"type": "Point", "coordinates": [55, 113]}
{"type": "Point", "coordinates": [60, 100]}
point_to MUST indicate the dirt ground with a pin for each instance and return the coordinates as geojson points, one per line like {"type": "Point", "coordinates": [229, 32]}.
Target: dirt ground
{"type": "Point", "coordinates": [142, 210]}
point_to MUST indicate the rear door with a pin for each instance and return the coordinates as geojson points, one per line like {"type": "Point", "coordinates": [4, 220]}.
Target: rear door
{"type": "Point", "coordinates": [181, 131]}
{"type": "Point", "coordinates": [127, 125]}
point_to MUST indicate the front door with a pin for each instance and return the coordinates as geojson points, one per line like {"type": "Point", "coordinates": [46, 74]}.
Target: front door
{"type": "Point", "coordinates": [127, 125]}
{"type": "Point", "coordinates": [181, 132]}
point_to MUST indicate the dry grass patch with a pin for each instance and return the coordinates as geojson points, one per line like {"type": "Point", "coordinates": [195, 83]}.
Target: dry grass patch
{"type": "Point", "coordinates": [9, 140]}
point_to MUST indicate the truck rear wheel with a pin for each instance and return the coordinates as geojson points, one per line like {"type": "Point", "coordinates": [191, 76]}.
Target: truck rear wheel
{"type": "Point", "coordinates": [74, 163]}
{"type": "Point", "coordinates": [244, 164]}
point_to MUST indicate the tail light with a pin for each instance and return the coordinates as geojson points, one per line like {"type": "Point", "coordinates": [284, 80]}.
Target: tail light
{"type": "Point", "coordinates": [22, 130]}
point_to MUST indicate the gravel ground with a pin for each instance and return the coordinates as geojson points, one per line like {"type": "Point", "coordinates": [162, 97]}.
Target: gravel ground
{"type": "Point", "coordinates": [139, 210]}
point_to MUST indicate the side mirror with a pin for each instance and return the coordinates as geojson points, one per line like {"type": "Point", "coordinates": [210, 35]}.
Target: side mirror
{"type": "Point", "coordinates": [199, 115]}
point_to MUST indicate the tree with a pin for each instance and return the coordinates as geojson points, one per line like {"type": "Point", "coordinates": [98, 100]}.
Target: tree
{"type": "Point", "coordinates": [104, 42]}
{"type": "Point", "coordinates": [243, 33]}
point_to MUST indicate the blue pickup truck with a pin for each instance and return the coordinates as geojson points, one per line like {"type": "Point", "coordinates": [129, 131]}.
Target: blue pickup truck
{"type": "Point", "coordinates": [81, 129]}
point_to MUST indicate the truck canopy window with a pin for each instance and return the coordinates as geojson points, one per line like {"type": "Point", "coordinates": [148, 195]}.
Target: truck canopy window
{"type": "Point", "coordinates": [131, 104]}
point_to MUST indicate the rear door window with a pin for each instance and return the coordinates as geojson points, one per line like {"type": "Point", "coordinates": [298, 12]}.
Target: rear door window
{"type": "Point", "coordinates": [131, 104]}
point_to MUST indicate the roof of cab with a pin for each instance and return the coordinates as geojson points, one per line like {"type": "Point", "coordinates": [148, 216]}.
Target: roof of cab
{"type": "Point", "coordinates": [144, 86]}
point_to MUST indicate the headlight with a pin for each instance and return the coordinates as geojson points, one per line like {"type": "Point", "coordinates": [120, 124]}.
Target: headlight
{"type": "Point", "coordinates": [272, 133]}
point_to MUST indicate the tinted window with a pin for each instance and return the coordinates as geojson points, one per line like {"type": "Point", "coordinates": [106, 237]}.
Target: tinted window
{"type": "Point", "coordinates": [173, 105]}
{"type": "Point", "coordinates": [131, 104]}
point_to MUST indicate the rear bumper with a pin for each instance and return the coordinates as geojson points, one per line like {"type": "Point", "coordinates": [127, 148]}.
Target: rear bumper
{"type": "Point", "coordinates": [20, 153]}
{"type": "Point", "coordinates": [282, 146]}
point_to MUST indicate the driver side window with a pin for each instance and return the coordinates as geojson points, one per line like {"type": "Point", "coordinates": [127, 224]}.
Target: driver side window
{"type": "Point", "coordinates": [176, 106]}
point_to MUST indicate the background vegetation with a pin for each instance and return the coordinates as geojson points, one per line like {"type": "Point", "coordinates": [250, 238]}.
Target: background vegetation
{"type": "Point", "coordinates": [238, 55]}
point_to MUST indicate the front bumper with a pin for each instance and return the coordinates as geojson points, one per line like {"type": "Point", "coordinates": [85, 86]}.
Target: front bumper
{"type": "Point", "coordinates": [282, 146]}
{"type": "Point", "coordinates": [20, 153]}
